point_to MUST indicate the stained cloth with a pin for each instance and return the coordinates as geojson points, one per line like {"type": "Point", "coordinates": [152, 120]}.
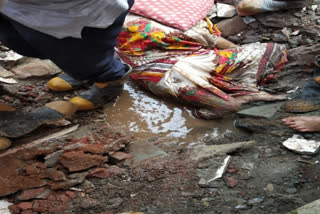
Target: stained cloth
{"type": "Point", "coordinates": [187, 66]}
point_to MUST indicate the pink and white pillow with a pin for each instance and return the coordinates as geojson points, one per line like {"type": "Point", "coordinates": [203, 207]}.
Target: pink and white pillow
{"type": "Point", "coordinates": [180, 14]}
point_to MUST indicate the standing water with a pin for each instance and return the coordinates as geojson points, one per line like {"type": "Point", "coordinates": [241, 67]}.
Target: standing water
{"type": "Point", "coordinates": [147, 115]}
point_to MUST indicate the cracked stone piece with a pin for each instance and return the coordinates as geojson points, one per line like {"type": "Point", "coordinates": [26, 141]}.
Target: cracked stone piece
{"type": "Point", "coordinates": [78, 160]}
{"type": "Point", "coordinates": [301, 145]}
{"type": "Point", "coordinates": [213, 150]}
{"type": "Point", "coordinates": [32, 67]}
{"type": "Point", "coordinates": [143, 150]}
{"type": "Point", "coordinates": [39, 193]}
{"type": "Point", "coordinates": [311, 208]}
{"type": "Point", "coordinates": [265, 111]}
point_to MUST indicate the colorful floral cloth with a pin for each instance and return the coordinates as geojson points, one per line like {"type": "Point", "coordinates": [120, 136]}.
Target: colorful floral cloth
{"type": "Point", "coordinates": [186, 65]}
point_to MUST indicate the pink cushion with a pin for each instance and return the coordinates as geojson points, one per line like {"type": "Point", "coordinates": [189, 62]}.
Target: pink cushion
{"type": "Point", "coordinates": [180, 14]}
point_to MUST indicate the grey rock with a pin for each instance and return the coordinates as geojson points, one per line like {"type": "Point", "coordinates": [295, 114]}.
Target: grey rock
{"type": "Point", "coordinates": [241, 207]}
{"type": "Point", "coordinates": [51, 160]}
{"type": "Point", "coordinates": [279, 38]}
{"type": "Point", "coordinates": [213, 150]}
{"type": "Point", "coordinates": [143, 150]}
{"type": "Point", "coordinates": [255, 201]}
{"type": "Point", "coordinates": [265, 111]}
{"type": "Point", "coordinates": [291, 190]}
{"type": "Point", "coordinates": [312, 208]}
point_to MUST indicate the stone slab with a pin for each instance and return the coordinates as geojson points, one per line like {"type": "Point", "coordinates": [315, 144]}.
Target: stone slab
{"type": "Point", "coordinates": [143, 150]}
{"type": "Point", "coordinates": [265, 111]}
{"type": "Point", "coordinates": [312, 208]}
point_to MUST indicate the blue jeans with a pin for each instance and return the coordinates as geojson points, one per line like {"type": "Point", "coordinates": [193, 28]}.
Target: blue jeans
{"type": "Point", "coordinates": [89, 58]}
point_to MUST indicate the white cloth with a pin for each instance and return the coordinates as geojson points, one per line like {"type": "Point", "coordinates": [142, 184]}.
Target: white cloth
{"type": "Point", "coordinates": [64, 18]}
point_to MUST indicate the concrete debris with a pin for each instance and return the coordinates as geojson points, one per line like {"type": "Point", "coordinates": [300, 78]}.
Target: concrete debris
{"type": "Point", "coordinates": [4, 207]}
{"type": "Point", "coordinates": [215, 170]}
{"type": "Point", "coordinates": [8, 80]}
{"type": "Point", "coordinates": [10, 56]}
{"type": "Point", "coordinates": [143, 150]}
{"type": "Point", "coordinates": [25, 170]}
{"type": "Point", "coordinates": [222, 169]}
{"type": "Point", "coordinates": [32, 67]}
{"type": "Point", "coordinates": [226, 10]}
{"type": "Point", "coordinates": [213, 150]}
{"type": "Point", "coordinates": [311, 208]}
{"type": "Point", "coordinates": [255, 201]}
{"type": "Point", "coordinates": [265, 111]}
{"type": "Point", "coordinates": [5, 73]}
{"type": "Point", "coordinates": [230, 181]}
{"type": "Point", "coordinates": [302, 146]}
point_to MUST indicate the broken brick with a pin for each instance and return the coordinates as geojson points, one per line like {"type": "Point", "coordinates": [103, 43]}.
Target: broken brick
{"type": "Point", "coordinates": [39, 193]}
{"type": "Point", "coordinates": [114, 170]}
{"type": "Point", "coordinates": [230, 181]}
{"type": "Point", "coordinates": [120, 155]}
{"type": "Point", "coordinates": [27, 212]}
{"type": "Point", "coordinates": [56, 175]}
{"type": "Point", "coordinates": [14, 209]}
{"type": "Point", "coordinates": [70, 194]}
{"type": "Point", "coordinates": [63, 198]}
{"type": "Point", "coordinates": [25, 205]}
{"type": "Point", "coordinates": [99, 173]}
{"type": "Point", "coordinates": [78, 160]}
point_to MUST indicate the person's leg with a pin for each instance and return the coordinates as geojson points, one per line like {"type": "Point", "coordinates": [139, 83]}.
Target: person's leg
{"type": "Point", "coordinates": [89, 58]}
{"type": "Point", "coordinates": [303, 123]}
{"type": "Point", "coordinates": [13, 40]}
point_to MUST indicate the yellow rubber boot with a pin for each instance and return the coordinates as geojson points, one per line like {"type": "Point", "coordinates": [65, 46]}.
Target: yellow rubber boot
{"type": "Point", "coordinates": [4, 107]}
{"type": "Point", "coordinates": [100, 93]}
{"type": "Point", "coordinates": [64, 82]}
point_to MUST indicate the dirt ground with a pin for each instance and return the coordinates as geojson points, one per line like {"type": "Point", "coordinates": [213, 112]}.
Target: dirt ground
{"type": "Point", "coordinates": [264, 179]}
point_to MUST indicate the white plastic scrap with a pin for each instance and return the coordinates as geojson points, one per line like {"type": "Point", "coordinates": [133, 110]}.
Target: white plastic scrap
{"type": "Point", "coordinates": [8, 80]}
{"type": "Point", "coordinates": [10, 56]}
{"type": "Point", "coordinates": [221, 170]}
{"type": "Point", "coordinates": [302, 146]}
{"type": "Point", "coordinates": [4, 207]}
{"type": "Point", "coordinates": [226, 10]}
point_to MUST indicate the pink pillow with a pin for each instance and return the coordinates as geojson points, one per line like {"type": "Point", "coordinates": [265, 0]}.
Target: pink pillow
{"type": "Point", "coordinates": [180, 14]}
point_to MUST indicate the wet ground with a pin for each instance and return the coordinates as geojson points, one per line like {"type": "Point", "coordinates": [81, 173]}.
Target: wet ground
{"type": "Point", "coordinates": [263, 179]}
{"type": "Point", "coordinates": [145, 115]}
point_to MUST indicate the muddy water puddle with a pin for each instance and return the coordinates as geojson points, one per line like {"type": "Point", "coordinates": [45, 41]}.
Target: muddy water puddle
{"type": "Point", "coordinates": [147, 115]}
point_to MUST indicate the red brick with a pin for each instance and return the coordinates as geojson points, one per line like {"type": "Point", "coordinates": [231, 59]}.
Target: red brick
{"type": "Point", "coordinates": [78, 160]}
{"type": "Point", "coordinates": [120, 155]}
{"type": "Point", "coordinates": [230, 181]}
{"type": "Point", "coordinates": [14, 209]}
{"type": "Point", "coordinates": [34, 193]}
{"type": "Point", "coordinates": [99, 173]}
{"type": "Point", "coordinates": [25, 205]}
{"type": "Point", "coordinates": [63, 198]}
{"type": "Point", "coordinates": [27, 212]}
{"type": "Point", "coordinates": [56, 175]}
{"type": "Point", "coordinates": [70, 194]}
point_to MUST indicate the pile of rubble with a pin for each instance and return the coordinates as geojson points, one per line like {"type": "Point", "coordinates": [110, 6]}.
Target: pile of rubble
{"type": "Point", "coordinates": [37, 170]}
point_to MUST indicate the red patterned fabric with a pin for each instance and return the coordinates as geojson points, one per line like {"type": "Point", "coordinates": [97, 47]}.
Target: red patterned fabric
{"type": "Point", "coordinates": [180, 14]}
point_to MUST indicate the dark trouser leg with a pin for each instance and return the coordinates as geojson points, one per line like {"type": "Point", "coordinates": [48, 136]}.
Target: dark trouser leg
{"type": "Point", "coordinates": [89, 58]}
{"type": "Point", "coordinates": [13, 40]}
